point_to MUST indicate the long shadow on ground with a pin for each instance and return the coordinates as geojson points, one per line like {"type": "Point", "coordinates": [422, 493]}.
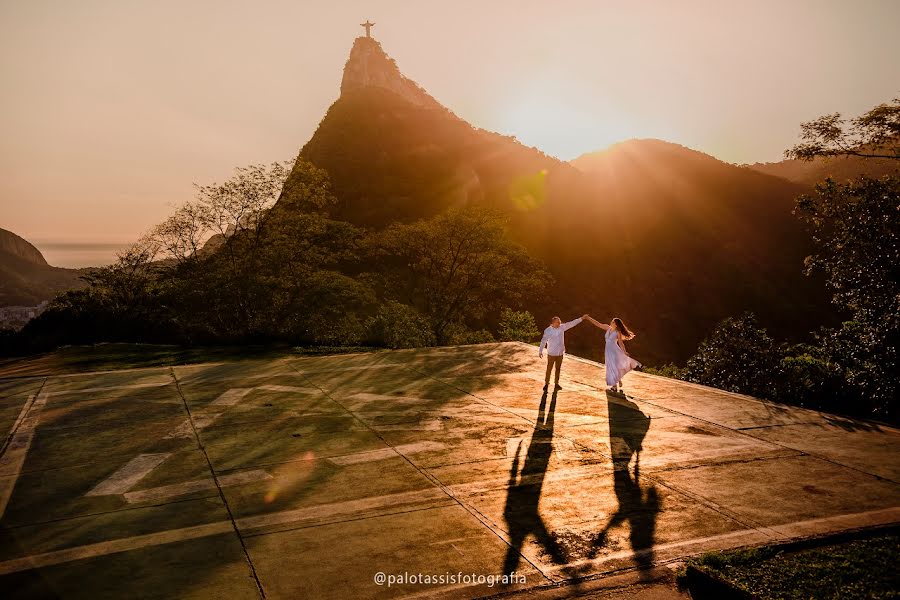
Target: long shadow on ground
{"type": "Point", "coordinates": [521, 512]}
{"type": "Point", "coordinates": [639, 506]}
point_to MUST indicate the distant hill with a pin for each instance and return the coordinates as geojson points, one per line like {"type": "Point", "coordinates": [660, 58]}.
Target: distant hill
{"type": "Point", "coordinates": [839, 168]}
{"type": "Point", "coordinates": [25, 277]}
{"type": "Point", "coordinates": [20, 247]}
{"type": "Point", "coordinates": [668, 238]}
{"type": "Point", "coordinates": [701, 239]}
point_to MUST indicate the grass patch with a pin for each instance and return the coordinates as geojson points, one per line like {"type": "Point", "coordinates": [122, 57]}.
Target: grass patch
{"type": "Point", "coordinates": [861, 568]}
{"type": "Point", "coordinates": [110, 357]}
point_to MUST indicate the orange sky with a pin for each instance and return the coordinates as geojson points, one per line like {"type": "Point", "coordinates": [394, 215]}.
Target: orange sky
{"type": "Point", "coordinates": [111, 109]}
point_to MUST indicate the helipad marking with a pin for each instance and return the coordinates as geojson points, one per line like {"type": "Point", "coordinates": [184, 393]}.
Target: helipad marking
{"type": "Point", "coordinates": [111, 388]}
{"type": "Point", "coordinates": [13, 458]}
{"type": "Point", "coordinates": [231, 397]}
{"type": "Point", "coordinates": [326, 369]}
{"type": "Point", "coordinates": [25, 563]}
{"type": "Point", "coordinates": [139, 467]}
{"type": "Point", "coordinates": [367, 397]}
{"type": "Point", "coordinates": [207, 416]}
{"type": "Point", "coordinates": [204, 417]}
{"type": "Point", "coordinates": [385, 453]}
{"type": "Point", "coordinates": [128, 475]}
{"type": "Point", "coordinates": [289, 388]}
{"type": "Point", "coordinates": [189, 487]}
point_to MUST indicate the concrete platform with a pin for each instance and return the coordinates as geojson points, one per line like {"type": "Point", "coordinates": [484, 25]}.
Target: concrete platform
{"type": "Point", "coordinates": [308, 477]}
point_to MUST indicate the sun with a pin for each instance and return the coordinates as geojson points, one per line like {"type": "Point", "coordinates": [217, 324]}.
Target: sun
{"type": "Point", "coordinates": [546, 120]}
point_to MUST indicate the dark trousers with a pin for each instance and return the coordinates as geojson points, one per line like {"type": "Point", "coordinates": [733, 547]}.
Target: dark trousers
{"type": "Point", "coordinates": [553, 360]}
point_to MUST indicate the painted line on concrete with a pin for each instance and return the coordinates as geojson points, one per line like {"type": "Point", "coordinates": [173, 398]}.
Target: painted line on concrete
{"type": "Point", "coordinates": [57, 557]}
{"type": "Point", "coordinates": [462, 491]}
{"type": "Point", "coordinates": [231, 397]}
{"type": "Point", "coordinates": [13, 458]}
{"type": "Point", "coordinates": [743, 537]}
{"type": "Point", "coordinates": [339, 509]}
{"type": "Point", "coordinates": [26, 406]}
{"type": "Point", "coordinates": [207, 416]}
{"type": "Point", "coordinates": [111, 388]}
{"type": "Point", "coordinates": [354, 507]}
{"type": "Point", "coordinates": [385, 453]}
{"type": "Point", "coordinates": [289, 388]}
{"type": "Point", "coordinates": [755, 537]}
{"type": "Point", "coordinates": [394, 400]}
{"type": "Point", "coordinates": [129, 474]}
{"type": "Point", "coordinates": [316, 371]}
{"type": "Point", "coordinates": [181, 489]}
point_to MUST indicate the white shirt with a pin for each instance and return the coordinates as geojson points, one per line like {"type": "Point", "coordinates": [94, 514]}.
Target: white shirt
{"type": "Point", "coordinates": [555, 338]}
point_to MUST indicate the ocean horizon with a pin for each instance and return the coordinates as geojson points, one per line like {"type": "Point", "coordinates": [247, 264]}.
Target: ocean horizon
{"type": "Point", "coordinates": [76, 255]}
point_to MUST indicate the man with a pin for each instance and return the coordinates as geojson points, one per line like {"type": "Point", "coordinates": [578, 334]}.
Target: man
{"type": "Point", "coordinates": [555, 341]}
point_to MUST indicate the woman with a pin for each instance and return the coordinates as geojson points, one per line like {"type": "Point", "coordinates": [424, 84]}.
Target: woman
{"type": "Point", "coordinates": [618, 361]}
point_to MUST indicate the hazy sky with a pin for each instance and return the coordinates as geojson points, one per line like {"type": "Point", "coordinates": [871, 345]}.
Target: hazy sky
{"type": "Point", "coordinates": [111, 109]}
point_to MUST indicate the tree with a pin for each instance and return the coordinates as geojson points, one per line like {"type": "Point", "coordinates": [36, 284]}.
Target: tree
{"type": "Point", "coordinates": [400, 326]}
{"type": "Point", "coordinates": [856, 230]}
{"type": "Point", "coordinates": [875, 134]}
{"type": "Point", "coordinates": [259, 275]}
{"type": "Point", "coordinates": [272, 271]}
{"type": "Point", "coordinates": [518, 326]}
{"type": "Point", "coordinates": [455, 268]}
{"type": "Point", "coordinates": [123, 301]}
{"type": "Point", "coordinates": [738, 356]}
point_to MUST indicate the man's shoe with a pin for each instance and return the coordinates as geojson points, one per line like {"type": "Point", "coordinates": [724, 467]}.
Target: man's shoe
{"type": "Point", "coordinates": [545, 386]}
{"type": "Point", "coordinates": [557, 388]}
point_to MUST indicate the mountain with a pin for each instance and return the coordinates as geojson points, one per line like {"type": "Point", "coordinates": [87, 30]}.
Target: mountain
{"type": "Point", "coordinates": [25, 277]}
{"type": "Point", "coordinates": [669, 239]}
{"type": "Point", "coordinates": [839, 168]}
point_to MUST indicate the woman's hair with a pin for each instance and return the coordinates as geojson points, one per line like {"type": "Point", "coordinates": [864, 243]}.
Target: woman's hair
{"type": "Point", "coordinates": [626, 333]}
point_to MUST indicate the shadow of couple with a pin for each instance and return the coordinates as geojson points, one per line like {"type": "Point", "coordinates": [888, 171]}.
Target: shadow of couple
{"type": "Point", "coordinates": [637, 505]}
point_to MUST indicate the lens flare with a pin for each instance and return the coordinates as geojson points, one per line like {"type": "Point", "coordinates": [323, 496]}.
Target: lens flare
{"type": "Point", "coordinates": [289, 475]}
{"type": "Point", "coordinates": [529, 191]}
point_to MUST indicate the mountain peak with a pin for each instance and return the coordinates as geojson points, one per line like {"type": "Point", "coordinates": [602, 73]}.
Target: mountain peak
{"type": "Point", "coordinates": [20, 247]}
{"type": "Point", "coordinates": [369, 66]}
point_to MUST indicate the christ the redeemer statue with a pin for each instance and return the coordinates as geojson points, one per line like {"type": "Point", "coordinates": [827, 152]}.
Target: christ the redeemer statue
{"type": "Point", "coordinates": [368, 27]}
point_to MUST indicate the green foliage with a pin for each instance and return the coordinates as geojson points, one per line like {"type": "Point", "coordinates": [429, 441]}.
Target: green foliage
{"type": "Point", "coordinates": [857, 233]}
{"type": "Point", "coordinates": [270, 272]}
{"type": "Point", "coordinates": [400, 326]}
{"type": "Point", "coordinates": [331, 309]}
{"type": "Point", "coordinates": [807, 377]}
{"type": "Point", "coordinates": [458, 335]}
{"type": "Point", "coordinates": [670, 370]}
{"type": "Point", "coordinates": [875, 134]}
{"type": "Point", "coordinates": [738, 356]}
{"type": "Point", "coordinates": [455, 268]}
{"type": "Point", "coordinates": [862, 568]}
{"type": "Point", "coordinates": [235, 266]}
{"type": "Point", "coordinates": [517, 326]}
{"type": "Point", "coordinates": [851, 369]}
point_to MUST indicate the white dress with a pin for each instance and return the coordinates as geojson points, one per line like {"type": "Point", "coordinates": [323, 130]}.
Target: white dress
{"type": "Point", "coordinates": [617, 362]}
